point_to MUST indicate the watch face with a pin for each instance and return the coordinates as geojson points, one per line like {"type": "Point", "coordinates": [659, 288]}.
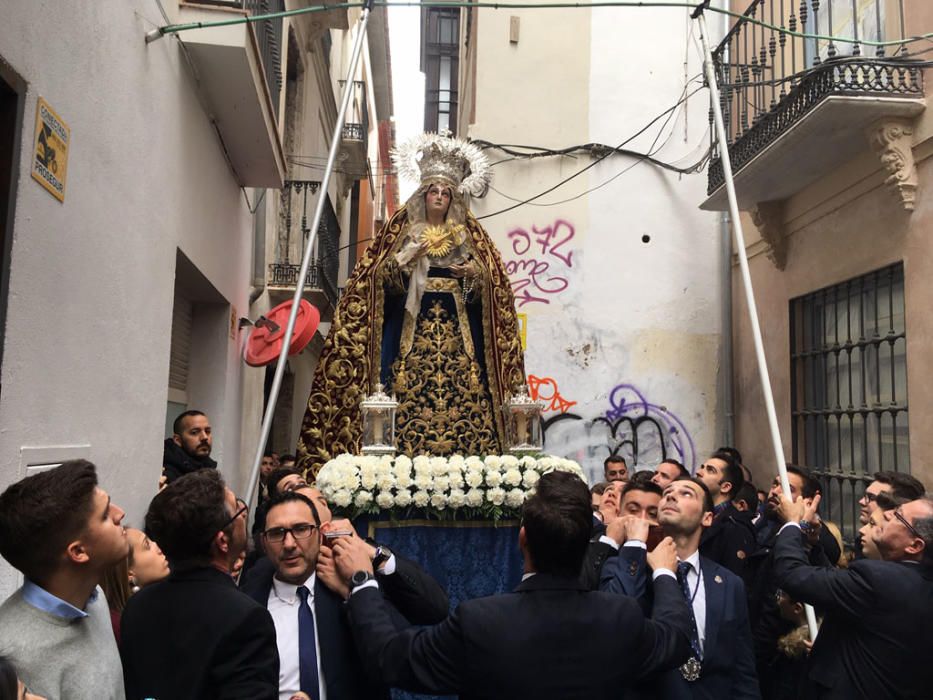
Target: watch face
{"type": "Point", "coordinates": [360, 577]}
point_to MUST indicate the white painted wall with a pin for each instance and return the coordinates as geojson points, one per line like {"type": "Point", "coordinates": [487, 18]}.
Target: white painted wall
{"type": "Point", "coordinates": [617, 325]}
{"type": "Point", "coordinates": [91, 285]}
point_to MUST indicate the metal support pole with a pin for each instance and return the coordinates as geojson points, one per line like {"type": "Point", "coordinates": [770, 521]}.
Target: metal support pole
{"type": "Point", "coordinates": [743, 266]}
{"type": "Point", "coordinates": [309, 248]}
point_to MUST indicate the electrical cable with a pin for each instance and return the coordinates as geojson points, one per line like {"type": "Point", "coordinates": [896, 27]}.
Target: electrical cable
{"type": "Point", "coordinates": [176, 28]}
{"type": "Point", "coordinates": [600, 159]}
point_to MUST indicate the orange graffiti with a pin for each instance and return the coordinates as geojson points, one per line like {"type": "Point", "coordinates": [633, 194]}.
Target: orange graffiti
{"type": "Point", "coordinates": [545, 389]}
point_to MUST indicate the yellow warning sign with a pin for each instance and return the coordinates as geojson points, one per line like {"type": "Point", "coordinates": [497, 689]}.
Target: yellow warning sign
{"type": "Point", "coordinates": [50, 151]}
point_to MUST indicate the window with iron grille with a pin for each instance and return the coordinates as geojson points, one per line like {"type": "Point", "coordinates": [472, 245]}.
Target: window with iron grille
{"type": "Point", "coordinates": [442, 45]}
{"type": "Point", "coordinates": [849, 387]}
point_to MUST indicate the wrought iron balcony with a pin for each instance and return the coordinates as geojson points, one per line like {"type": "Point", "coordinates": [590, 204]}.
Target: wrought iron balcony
{"type": "Point", "coordinates": [355, 135]}
{"type": "Point", "coordinates": [320, 284]}
{"type": "Point", "coordinates": [797, 108]}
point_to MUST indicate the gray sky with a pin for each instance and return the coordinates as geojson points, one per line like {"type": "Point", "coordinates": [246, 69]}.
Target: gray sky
{"type": "Point", "coordinates": [407, 79]}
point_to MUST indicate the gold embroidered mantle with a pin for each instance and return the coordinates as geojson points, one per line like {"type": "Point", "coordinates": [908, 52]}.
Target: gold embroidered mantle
{"type": "Point", "coordinates": [349, 365]}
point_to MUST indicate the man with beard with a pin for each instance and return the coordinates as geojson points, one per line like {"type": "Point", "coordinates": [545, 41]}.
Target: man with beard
{"type": "Point", "coordinates": [189, 448]}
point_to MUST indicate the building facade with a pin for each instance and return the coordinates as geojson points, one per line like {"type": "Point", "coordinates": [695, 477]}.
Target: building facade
{"type": "Point", "coordinates": [832, 173]}
{"type": "Point", "coordinates": [618, 277]}
{"type": "Point", "coordinates": [144, 194]}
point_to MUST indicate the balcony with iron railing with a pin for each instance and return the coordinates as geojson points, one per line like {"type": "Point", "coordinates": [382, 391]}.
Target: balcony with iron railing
{"type": "Point", "coordinates": [796, 108]}
{"type": "Point", "coordinates": [355, 135]}
{"type": "Point", "coordinates": [320, 284]}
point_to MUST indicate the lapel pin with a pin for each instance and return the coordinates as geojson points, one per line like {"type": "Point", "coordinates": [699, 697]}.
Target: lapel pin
{"type": "Point", "coordinates": [718, 578]}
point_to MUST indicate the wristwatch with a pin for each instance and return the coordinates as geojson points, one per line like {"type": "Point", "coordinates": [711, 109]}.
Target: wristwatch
{"type": "Point", "coordinates": [805, 527]}
{"type": "Point", "coordinates": [381, 556]}
{"type": "Point", "coordinates": [359, 578]}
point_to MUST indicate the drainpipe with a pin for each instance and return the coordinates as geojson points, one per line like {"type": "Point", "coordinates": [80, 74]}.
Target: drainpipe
{"type": "Point", "coordinates": [727, 426]}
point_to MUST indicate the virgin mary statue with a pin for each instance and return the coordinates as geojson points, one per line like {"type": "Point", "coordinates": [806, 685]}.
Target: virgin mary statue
{"type": "Point", "coordinates": [429, 313]}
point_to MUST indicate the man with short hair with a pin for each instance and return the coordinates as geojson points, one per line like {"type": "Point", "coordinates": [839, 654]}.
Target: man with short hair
{"type": "Point", "coordinates": [897, 484]}
{"type": "Point", "coordinates": [667, 471]}
{"type": "Point", "coordinates": [722, 664]}
{"type": "Point", "coordinates": [730, 539]}
{"type": "Point", "coordinates": [551, 638]}
{"type": "Point", "coordinates": [615, 469]}
{"type": "Point", "coordinates": [639, 500]}
{"type": "Point", "coordinates": [61, 530]}
{"type": "Point", "coordinates": [189, 448]}
{"type": "Point", "coordinates": [193, 634]}
{"type": "Point", "coordinates": [316, 651]}
{"type": "Point", "coordinates": [877, 632]}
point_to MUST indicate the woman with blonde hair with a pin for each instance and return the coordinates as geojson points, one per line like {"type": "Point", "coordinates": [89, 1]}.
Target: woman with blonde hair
{"type": "Point", "coordinates": [145, 564]}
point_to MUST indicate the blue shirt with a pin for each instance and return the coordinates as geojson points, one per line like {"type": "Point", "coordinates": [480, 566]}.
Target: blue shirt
{"type": "Point", "coordinates": [40, 598]}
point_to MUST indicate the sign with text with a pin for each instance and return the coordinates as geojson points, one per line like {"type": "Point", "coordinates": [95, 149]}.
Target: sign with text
{"type": "Point", "coordinates": [50, 150]}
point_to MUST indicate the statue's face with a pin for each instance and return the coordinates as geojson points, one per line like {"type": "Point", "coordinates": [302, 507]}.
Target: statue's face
{"type": "Point", "coordinates": [437, 199]}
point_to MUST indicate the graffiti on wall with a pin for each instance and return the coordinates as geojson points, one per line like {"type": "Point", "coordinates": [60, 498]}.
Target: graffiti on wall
{"type": "Point", "coordinates": [540, 262]}
{"type": "Point", "coordinates": [545, 389]}
{"type": "Point", "coordinates": [643, 432]}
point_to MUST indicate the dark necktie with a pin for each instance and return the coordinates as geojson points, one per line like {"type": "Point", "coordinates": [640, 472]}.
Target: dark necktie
{"type": "Point", "coordinates": [683, 568]}
{"type": "Point", "coordinates": [307, 649]}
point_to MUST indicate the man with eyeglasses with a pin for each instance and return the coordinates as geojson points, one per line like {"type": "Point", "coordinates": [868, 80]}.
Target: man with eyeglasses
{"type": "Point", "coordinates": [896, 484]}
{"type": "Point", "coordinates": [315, 646]}
{"type": "Point", "coordinates": [194, 634]}
{"type": "Point", "coordinates": [877, 632]}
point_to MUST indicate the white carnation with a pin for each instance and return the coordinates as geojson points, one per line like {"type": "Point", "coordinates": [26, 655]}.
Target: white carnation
{"type": "Point", "coordinates": [456, 499]}
{"type": "Point", "coordinates": [493, 461]}
{"type": "Point", "coordinates": [455, 462]}
{"type": "Point", "coordinates": [369, 462]}
{"type": "Point", "coordinates": [385, 482]}
{"type": "Point", "coordinates": [493, 478]}
{"type": "Point", "coordinates": [403, 479]}
{"type": "Point", "coordinates": [385, 500]}
{"type": "Point", "coordinates": [421, 498]}
{"type": "Point", "coordinates": [438, 466]}
{"type": "Point", "coordinates": [513, 477]}
{"type": "Point", "coordinates": [474, 498]}
{"type": "Point", "coordinates": [385, 461]}
{"type": "Point", "coordinates": [529, 462]}
{"type": "Point", "coordinates": [342, 498]}
{"type": "Point", "coordinates": [509, 461]}
{"type": "Point", "coordinates": [403, 498]}
{"type": "Point", "coordinates": [439, 501]}
{"type": "Point", "coordinates": [473, 462]}
{"type": "Point", "coordinates": [530, 478]}
{"type": "Point", "coordinates": [402, 462]}
{"type": "Point", "coordinates": [421, 462]}
{"type": "Point", "coordinates": [546, 464]}
{"type": "Point", "coordinates": [441, 483]}
{"type": "Point", "coordinates": [456, 480]}
{"type": "Point", "coordinates": [363, 499]}
{"type": "Point", "coordinates": [474, 478]}
{"type": "Point", "coordinates": [424, 481]}
{"type": "Point", "coordinates": [514, 498]}
{"type": "Point", "coordinates": [346, 459]}
{"type": "Point", "coordinates": [496, 496]}
{"type": "Point", "coordinates": [368, 477]}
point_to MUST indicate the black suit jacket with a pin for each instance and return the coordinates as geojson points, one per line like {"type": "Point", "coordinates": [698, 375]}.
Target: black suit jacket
{"type": "Point", "coordinates": [343, 672]}
{"type": "Point", "coordinates": [877, 634]}
{"type": "Point", "coordinates": [194, 635]}
{"type": "Point", "coordinates": [551, 638]}
{"type": "Point", "coordinates": [728, 669]}
{"type": "Point", "coordinates": [730, 540]}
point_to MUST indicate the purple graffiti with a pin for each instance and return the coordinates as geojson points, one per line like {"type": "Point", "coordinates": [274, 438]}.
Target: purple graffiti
{"type": "Point", "coordinates": [625, 400]}
{"type": "Point", "coordinates": [530, 271]}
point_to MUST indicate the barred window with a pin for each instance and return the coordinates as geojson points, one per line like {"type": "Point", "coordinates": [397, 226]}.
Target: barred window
{"type": "Point", "coordinates": [849, 386]}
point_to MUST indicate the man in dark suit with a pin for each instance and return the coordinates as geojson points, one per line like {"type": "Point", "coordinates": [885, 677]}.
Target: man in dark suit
{"type": "Point", "coordinates": [730, 539]}
{"type": "Point", "coordinates": [724, 666]}
{"type": "Point", "coordinates": [194, 635]}
{"type": "Point", "coordinates": [877, 631]}
{"type": "Point", "coordinates": [316, 651]}
{"type": "Point", "coordinates": [551, 638]}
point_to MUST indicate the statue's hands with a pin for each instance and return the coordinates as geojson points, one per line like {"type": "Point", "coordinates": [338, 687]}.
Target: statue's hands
{"type": "Point", "coordinates": [466, 269]}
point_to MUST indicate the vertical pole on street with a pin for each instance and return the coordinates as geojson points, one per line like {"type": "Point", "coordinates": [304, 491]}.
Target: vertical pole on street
{"type": "Point", "coordinates": [309, 249]}
{"type": "Point", "coordinates": [763, 376]}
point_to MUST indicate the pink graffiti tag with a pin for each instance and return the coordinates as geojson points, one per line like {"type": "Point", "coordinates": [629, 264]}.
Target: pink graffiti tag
{"type": "Point", "coordinates": [532, 276]}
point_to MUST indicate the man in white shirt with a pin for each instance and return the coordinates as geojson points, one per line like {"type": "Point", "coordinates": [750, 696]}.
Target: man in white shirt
{"type": "Point", "coordinates": [722, 662]}
{"type": "Point", "coordinates": [316, 651]}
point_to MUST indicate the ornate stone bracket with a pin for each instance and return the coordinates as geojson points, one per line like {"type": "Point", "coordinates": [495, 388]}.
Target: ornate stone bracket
{"type": "Point", "coordinates": [768, 218]}
{"type": "Point", "coordinates": [891, 139]}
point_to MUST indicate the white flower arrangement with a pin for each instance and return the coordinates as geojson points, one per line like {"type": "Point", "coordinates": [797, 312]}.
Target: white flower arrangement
{"type": "Point", "coordinates": [491, 487]}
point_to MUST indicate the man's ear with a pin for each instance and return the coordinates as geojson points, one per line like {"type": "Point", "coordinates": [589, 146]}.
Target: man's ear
{"type": "Point", "coordinates": [222, 542]}
{"type": "Point", "coordinates": [707, 519]}
{"type": "Point", "coordinates": [176, 438]}
{"type": "Point", "coordinates": [915, 547]}
{"type": "Point", "coordinates": [725, 487]}
{"type": "Point", "coordinates": [77, 553]}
